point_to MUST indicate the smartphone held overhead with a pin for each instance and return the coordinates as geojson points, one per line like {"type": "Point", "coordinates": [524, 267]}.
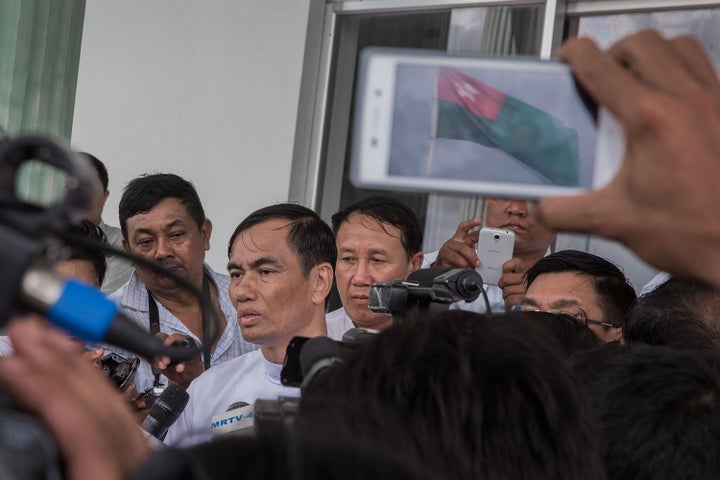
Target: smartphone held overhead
{"type": "Point", "coordinates": [512, 127]}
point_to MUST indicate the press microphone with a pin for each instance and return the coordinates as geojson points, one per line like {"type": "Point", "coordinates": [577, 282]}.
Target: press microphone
{"type": "Point", "coordinates": [316, 355]}
{"type": "Point", "coordinates": [166, 409]}
{"type": "Point", "coordinates": [86, 313]}
{"type": "Point", "coordinates": [462, 283]}
{"type": "Point", "coordinates": [237, 420]}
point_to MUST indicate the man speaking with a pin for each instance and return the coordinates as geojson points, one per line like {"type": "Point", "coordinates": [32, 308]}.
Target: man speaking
{"type": "Point", "coordinates": [280, 266]}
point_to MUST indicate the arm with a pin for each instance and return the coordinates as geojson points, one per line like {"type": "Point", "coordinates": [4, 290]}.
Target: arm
{"type": "Point", "coordinates": [94, 429]}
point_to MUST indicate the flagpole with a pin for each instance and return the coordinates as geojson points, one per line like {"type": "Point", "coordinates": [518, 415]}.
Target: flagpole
{"type": "Point", "coordinates": [433, 127]}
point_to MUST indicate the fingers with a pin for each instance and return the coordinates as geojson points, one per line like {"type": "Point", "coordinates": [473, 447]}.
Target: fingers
{"type": "Point", "coordinates": [87, 417]}
{"type": "Point", "coordinates": [582, 213]}
{"type": "Point", "coordinates": [692, 55]}
{"type": "Point", "coordinates": [608, 82]}
{"type": "Point", "coordinates": [655, 61]}
{"type": "Point", "coordinates": [465, 226]}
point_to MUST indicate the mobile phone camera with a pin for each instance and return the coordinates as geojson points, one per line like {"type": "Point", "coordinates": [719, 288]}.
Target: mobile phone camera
{"type": "Point", "coordinates": [496, 236]}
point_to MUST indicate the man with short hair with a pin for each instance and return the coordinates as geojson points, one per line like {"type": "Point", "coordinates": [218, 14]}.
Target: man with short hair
{"type": "Point", "coordinates": [162, 220]}
{"type": "Point", "coordinates": [280, 265]}
{"type": "Point", "coordinates": [532, 242]}
{"type": "Point", "coordinates": [118, 268]}
{"type": "Point", "coordinates": [583, 285]}
{"type": "Point", "coordinates": [378, 240]}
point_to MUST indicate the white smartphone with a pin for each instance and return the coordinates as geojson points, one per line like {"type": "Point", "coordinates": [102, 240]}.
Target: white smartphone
{"type": "Point", "coordinates": [508, 127]}
{"type": "Point", "coordinates": [494, 248]}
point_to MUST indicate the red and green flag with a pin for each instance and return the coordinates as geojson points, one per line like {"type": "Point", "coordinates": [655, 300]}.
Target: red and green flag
{"type": "Point", "coordinates": [472, 111]}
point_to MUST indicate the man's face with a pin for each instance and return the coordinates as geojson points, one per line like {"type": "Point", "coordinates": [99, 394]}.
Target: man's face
{"type": "Point", "coordinates": [530, 235]}
{"type": "Point", "coordinates": [274, 301]}
{"type": "Point", "coordinates": [169, 236]}
{"type": "Point", "coordinates": [95, 209]}
{"type": "Point", "coordinates": [369, 252]}
{"type": "Point", "coordinates": [572, 293]}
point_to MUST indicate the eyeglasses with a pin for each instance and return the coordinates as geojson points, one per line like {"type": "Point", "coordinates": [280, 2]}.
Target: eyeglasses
{"type": "Point", "coordinates": [580, 317]}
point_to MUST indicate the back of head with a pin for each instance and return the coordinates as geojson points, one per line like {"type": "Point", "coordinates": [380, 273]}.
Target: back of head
{"type": "Point", "coordinates": [464, 395]}
{"type": "Point", "coordinates": [309, 237]}
{"type": "Point", "coordinates": [90, 233]}
{"type": "Point", "coordinates": [614, 293]}
{"type": "Point", "coordinates": [278, 457]}
{"type": "Point", "coordinates": [99, 168]}
{"type": "Point", "coordinates": [390, 211]}
{"type": "Point", "coordinates": [679, 313]}
{"type": "Point", "coordinates": [142, 194]}
{"type": "Point", "coordinates": [660, 410]}
{"type": "Point", "coordinates": [571, 335]}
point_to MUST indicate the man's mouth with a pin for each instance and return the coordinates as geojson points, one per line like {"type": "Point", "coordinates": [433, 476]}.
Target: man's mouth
{"type": "Point", "coordinates": [247, 318]}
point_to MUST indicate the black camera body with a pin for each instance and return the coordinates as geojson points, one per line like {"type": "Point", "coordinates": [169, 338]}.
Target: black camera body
{"type": "Point", "coordinates": [119, 369]}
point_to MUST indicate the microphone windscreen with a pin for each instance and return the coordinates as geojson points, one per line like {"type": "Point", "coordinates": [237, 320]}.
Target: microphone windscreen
{"type": "Point", "coordinates": [166, 409]}
{"type": "Point", "coordinates": [316, 349]}
{"type": "Point", "coordinates": [425, 276]}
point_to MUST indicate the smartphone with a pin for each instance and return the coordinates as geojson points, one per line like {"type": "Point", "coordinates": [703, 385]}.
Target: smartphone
{"type": "Point", "coordinates": [494, 248]}
{"type": "Point", "coordinates": [516, 127]}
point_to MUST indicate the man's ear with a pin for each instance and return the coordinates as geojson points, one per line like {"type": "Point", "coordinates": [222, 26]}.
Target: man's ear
{"type": "Point", "coordinates": [206, 231]}
{"type": "Point", "coordinates": [322, 278]}
{"type": "Point", "coordinates": [416, 261]}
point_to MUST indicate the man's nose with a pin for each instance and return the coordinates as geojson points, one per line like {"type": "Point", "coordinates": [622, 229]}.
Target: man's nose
{"type": "Point", "coordinates": [362, 275]}
{"type": "Point", "coordinates": [242, 290]}
{"type": "Point", "coordinates": [517, 207]}
{"type": "Point", "coordinates": [163, 249]}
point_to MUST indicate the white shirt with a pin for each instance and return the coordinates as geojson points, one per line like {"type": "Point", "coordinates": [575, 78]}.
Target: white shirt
{"type": "Point", "coordinates": [243, 379]}
{"type": "Point", "coordinates": [118, 268]}
{"type": "Point", "coordinates": [6, 348]}
{"type": "Point", "coordinates": [133, 298]}
{"type": "Point", "coordinates": [338, 323]}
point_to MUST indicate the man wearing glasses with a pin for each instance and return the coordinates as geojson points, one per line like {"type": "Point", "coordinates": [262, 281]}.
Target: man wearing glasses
{"type": "Point", "coordinates": [583, 285]}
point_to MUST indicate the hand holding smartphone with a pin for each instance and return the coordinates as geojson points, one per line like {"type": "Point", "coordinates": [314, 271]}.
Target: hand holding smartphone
{"type": "Point", "coordinates": [507, 127]}
{"type": "Point", "coordinates": [494, 248]}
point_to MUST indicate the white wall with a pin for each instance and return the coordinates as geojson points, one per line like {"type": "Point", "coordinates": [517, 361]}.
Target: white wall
{"type": "Point", "coordinates": [208, 90]}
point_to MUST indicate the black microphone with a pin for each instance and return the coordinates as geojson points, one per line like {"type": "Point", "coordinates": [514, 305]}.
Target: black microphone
{"type": "Point", "coordinates": [462, 283]}
{"type": "Point", "coordinates": [316, 355]}
{"type": "Point", "coordinates": [88, 314]}
{"type": "Point", "coordinates": [166, 409]}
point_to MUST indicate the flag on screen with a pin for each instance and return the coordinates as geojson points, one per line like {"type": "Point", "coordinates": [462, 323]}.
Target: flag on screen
{"type": "Point", "coordinates": [472, 111]}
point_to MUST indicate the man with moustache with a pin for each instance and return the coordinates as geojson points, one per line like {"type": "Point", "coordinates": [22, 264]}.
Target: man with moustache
{"type": "Point", "coordinates": [532, 242]}
{"type": "Point", "coordinates": [162, 220]}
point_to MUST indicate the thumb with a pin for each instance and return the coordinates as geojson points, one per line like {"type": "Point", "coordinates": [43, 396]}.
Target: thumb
{"type": "Point", "coordinates": [584, 213]}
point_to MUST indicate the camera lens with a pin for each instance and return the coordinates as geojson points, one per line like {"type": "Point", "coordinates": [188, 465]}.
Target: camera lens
{"type": "Point", "coordinates": [497, 237]}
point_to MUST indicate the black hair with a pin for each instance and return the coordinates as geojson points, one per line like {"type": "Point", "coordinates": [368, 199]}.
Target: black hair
{"type": "Point", "coordinates": [614, 293]}
{"type": "Point", "coordinates": [280, 456]}
{"type": "Point", "coordinates": [390, 211]}
{"type": "Point", "coordinates": [572, 336]}
{"type": "Point", "coordinates": [464, 395]}
{"type": "Point", "coordinates": [99, 167]}
{"type": "Point", "coordinates": [142, 194]}
{"type": "Point", "coordinates": [309, 238]}
{"type": "Point", "coordinates": [679, 313]}
{"type": "Point", "coordinates": [660, 410]}
{"type": "Point", "coordinates": [74, 252]}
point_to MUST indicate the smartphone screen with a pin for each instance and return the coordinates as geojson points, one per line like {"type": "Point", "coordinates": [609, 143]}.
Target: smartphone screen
{"type": "Point", "coordinates": [515, 127]}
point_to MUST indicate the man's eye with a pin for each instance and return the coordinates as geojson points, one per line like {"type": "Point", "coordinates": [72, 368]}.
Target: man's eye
{"type": "Point", "coordinates": [236, 274]}
{"type": "Point", "coordinates": [348, 259]}
{"type": "Point", "coordinates": [144, 242]}
{"type": "Point", "coordinates": [377, 260]}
